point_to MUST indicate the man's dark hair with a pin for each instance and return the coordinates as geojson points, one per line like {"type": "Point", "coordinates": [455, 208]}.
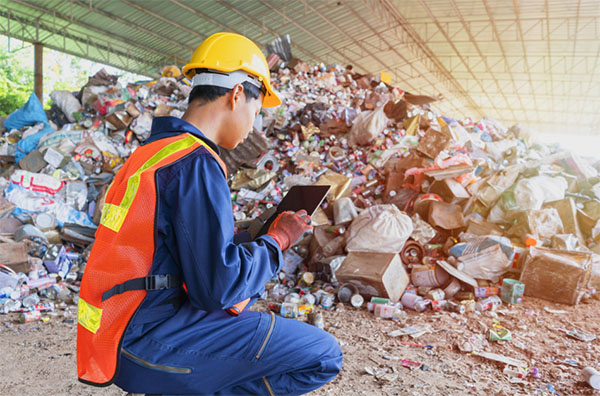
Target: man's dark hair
{"type": "Point", "coordinates": [208, 93]}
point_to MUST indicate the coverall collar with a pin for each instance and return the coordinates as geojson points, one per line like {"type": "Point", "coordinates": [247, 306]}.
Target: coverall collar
{"type": "Point", "coordinates": [164, 127]}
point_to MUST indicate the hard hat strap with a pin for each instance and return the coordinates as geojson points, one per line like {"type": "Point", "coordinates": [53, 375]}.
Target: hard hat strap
{"type": "Point", "coordinates": [224, 80]}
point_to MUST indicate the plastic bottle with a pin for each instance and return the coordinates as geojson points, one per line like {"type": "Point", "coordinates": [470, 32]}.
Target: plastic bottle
{"type": "Point", "coordinates": [592, 377]}
{"type": "Point", "coordinates": [414, 302]}
{"type": "Point", "coordinates": [30, 300]}
{"type": "Point", "coordinates": [490, 302]}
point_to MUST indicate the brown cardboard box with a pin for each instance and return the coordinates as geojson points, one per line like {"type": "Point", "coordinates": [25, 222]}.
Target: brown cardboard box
{"type": "Point", "coordinates": [14, 256]}
{"type": "Point", "coordinates": [568, 214]}
{"type": "Point", "coordinates": [449, 189]}
{"type": "Point", "coordinates": [375, 274]}
{"type": "Point", "coordinates": [432, 143]}
{"type": "Point", "coordinates": [478, 226]}
{"type": "Point", "coordinates": [117, 119]}
{"type": "Point", "coordinates": [556, 275]}
{"type": "Point", "coordinates": [542, 223]}
{"type": "Point", "coordinates": [411, 125]}
{"type": "Point", "coordinates": [446, 216]}
{"type": "Point", "coordinates": [321, 237]}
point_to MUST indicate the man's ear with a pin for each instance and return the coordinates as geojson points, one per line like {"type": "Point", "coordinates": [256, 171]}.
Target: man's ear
{"type": "Point", "coordinates": [237, 95]}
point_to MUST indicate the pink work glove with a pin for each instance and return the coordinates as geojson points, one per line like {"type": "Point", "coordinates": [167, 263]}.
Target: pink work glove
{"type": "Point", "coordinates": [288, 227]}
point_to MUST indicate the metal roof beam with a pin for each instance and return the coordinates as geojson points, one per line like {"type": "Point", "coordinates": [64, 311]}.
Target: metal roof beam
{"type": "Point", "coordinates": [441, 29]}
{"type": "Point", "coordinates": [495, 29]}
{"type": "Point", "coordinates": [313, 57]}
{"type": "Point", "coordinates": [520, 31]}
{"type": "Point", "coordinates": [417, 46]}
{"type": "Point", "coordinates": [388, 45]}
{"type": "Point", "coordinates": [299, 26]}
{"type": "Point", "coordinates": [323, 17]}
{"type": "Point", "coordinates": [164, 19]}
{"type": "Point", "coordinates": [71, 20]}
{"type": "Point", "coordinates": [481, 56]}
{"type": "Point", "coordinates": [90, 6]}
{"type": "Point", "coordinates": [32, 35]}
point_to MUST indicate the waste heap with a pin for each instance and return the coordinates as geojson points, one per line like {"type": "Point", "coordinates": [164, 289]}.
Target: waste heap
{"type": "Point", "coordinates": [425, 211]}
{"type": "Point", "coordinates": [56, 168]}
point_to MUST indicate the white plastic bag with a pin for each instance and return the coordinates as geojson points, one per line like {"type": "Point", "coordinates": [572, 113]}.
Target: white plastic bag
{"type": "Point", "coordinates": [531, 193]}
{"type": "Point", "coordinates": [380, 228]}
{"type": "Point", "coordinates": [367, 126]}
{"type": "Point", "coordinates": [67, 103]}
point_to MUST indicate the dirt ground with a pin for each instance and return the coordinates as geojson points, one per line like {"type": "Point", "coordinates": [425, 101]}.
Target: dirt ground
{"type": "Point", "coordinates": [39, 358]}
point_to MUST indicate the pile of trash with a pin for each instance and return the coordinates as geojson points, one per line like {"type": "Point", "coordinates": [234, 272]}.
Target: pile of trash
{"type": "Point", "coordinates": [56, 168]}
{"type": "Point", "coordinates": [425, 212]}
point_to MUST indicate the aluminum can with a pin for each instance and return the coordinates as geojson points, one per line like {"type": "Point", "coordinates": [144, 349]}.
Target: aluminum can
{"type": "Point", "coordinates": [26, 317]}
{"type": "Point", "coordinates": [289, 310]}
{"type": "Point", "coordinates": [327, 300]}
{"type": "Point", "coordinates": [316, 319]}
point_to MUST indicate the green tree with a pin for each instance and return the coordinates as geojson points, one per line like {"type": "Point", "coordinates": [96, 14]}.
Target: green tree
{"type": "Point", "coordinates": [61, 72]}
{"type": "Point", "coordinates": [16, 79]}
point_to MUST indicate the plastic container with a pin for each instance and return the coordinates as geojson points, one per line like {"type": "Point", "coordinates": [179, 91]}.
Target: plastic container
{"type": "Point", "coordinates": [289, 310]}
{"type": "Point", "coordinates": [429, 276]}
{"type": "Point", "coordinates": [414, 302]}
{"type": "Point", "coordinates": [452, 288]}
{"type": "Point", "coordinates": [512, 291]}
{"type": "Point", "coordinates": [489, 303]}
{"type": "Point", "coordinates": [592, 377]}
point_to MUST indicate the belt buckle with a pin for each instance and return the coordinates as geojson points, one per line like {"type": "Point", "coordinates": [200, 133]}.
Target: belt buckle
{"type": "Point", "coordinates": [157, 282]}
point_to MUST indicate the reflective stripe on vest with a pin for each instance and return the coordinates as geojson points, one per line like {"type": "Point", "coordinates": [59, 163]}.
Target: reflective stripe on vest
{"type": "Point", "coordinates": [123, 250]}
{"type": "Point", "coordinates": [113, 216]}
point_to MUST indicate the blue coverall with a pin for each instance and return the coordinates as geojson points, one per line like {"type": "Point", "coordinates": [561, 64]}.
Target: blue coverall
{"type": "Point", "coordinates": [185, 343]}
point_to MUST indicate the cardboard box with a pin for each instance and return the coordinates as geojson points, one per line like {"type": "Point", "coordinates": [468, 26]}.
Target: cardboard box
{"type": "Point", "coordinates": [556, 275]}
{"type": "Point", "coordinates": [375, 274]}
{"type": "Point", "coordinates": [568, 214]}
{"type": "Point", "coordinates": [449, 189]}
{"type": "Point", "coordinates": [446, 216]}
{"type": "Point", "coordinates": [432, 143]}
{"type": "Point", "coordinates": [14, 256]}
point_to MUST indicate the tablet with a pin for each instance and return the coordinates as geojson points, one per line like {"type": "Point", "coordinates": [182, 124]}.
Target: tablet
{"type": "Point", "coordinates": [308, 198]}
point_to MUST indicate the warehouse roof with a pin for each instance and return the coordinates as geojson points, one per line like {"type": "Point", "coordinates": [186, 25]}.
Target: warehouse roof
{"type": "Point", "coordinates": [534, 62]}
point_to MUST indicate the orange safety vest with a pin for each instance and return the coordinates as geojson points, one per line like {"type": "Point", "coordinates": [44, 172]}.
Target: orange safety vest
{"type": "Point", "coordinates": [116, 278]}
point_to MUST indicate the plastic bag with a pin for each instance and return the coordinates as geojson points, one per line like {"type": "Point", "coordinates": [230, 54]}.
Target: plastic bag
{"type": "Point", "coordinates": [37, 182]}
{"type": "Point", "coordinates": [380, 228]}
{"type": "Point", "coordinates": [367, 126]}
{"type": "Point", "coordinates": [29, 201]}
{"type": "Point", "coordinates": [489, 263]}
{"type": "Point", "coordinates": [30, 113]}
{"type": "Point", "coordinates": [77, 194]}
{"type": "Point", "coordinates": [423, 232]}
{"type": "Point", "coordinates": [531, 193]}
{"type": "Point", "coordinates": [471, 243]}
{"type": "Point", "coordinates": [30, 143]}
{"type": "Point", "coordinates": [67, 103]}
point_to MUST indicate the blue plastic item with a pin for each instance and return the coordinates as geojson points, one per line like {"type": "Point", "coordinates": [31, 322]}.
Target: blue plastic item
{"type": "Point", "coordinates": [30, 113]}
{"type": "Point", "coordinates": [30, 143]}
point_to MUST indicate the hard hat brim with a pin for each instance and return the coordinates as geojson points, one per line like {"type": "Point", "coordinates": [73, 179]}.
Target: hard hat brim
{"type": "Point", "coordinates": [271, 99]}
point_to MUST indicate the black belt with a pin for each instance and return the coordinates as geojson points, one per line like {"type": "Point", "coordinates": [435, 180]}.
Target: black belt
{"type": "Point", "coordinates": [150, 282]}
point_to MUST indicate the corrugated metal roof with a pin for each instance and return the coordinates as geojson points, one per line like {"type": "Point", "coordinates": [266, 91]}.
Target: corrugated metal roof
{"type": "Point", "coordinates": [528, 61]}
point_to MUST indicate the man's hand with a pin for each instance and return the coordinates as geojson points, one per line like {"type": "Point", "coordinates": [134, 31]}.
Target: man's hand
{"type": "Point", "coordinates": [288, 227]}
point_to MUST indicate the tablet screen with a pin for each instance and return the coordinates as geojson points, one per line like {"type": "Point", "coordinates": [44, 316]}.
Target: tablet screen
{"type": "Point", "coordinates": [308, 198]}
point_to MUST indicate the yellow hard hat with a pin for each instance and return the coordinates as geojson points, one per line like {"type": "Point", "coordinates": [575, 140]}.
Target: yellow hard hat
{"type": "Point", "coordinates": [170, 71]}
{"type": "Point", "coordinates": [232, 55]}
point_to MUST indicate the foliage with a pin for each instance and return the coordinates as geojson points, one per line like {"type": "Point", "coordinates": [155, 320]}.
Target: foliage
{"type": "Point", "coordinates": [16, 79]}
{"type": "Point", "coordinates": [61, 72]}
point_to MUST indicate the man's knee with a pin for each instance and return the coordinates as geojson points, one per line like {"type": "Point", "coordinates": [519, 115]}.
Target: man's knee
{"type": "Point", "coordinates": [332, 356]}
